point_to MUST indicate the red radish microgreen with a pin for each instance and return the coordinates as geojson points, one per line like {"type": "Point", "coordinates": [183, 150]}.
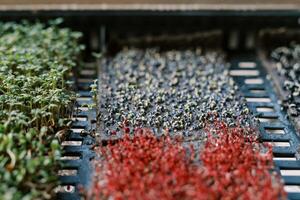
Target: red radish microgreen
{"type": "Point", "coordinates": [230, 166]}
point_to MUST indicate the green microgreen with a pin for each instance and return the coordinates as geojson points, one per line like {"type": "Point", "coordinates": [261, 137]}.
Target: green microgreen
{"type": "Point", "coordinates": [35, 97]}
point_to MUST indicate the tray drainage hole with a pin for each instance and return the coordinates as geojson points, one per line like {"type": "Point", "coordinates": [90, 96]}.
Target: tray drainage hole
{"type": "Point", "coordinates": [290, 172]}
{"type": "Point", "coordinates": [252, 81]}
{"type": "Point", "coordinates": [71, 143]}
{"type": "Point", "coordinates": [89, 65]}
{"type": "Point", "coordinates": [265, 109]}
{"type": "Point", "coordinates": [83, 119]}
{"type": "Point", "coordinates": [258, 99]}
{"type": "Point", "coordinates": [85, 80]}
{"type": "Point", "coordinates": [67, 172]}
{"type": "Point", "coordinates": [280, 144]}
{"type": "Point", "coordinates": [268, 119]}
{"type": "Point", "coordinates": [275, 130]}
{"type": "Point", "coordinates": [65, 188]}
{"type": "Point", "coordinates": [70, 158]}
{"type": "Point", "coordinates": [88, 72]}
{"type": "Point", "coordinates": [292, 188]}
{"type": "Point", "coordinates": [237, 72]}
{"type": "Point", "coordinates": [77, 130]}
{"type": "Point", "coordinates": [284, 158]}
{"type": "Point", "coordinates": [247, 64]}
{"type": "Point", "coordinates": [83, 98]}
{"type": "Point", "coordinates": [81, 109]}
{"type": "Point", "coordinates": [257, 91]}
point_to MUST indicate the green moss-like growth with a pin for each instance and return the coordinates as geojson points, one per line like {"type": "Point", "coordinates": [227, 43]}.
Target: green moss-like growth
{"type": "Point", "coordinates": [35, 99]}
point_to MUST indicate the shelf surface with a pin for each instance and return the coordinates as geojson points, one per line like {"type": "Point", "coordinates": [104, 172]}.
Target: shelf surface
{"type": "Point", "coordinates": [154, 5]}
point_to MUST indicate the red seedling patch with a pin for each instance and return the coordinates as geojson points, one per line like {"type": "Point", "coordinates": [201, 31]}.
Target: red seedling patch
{"type": "Point", "coordinates": [239, 165]}
{"type": "Point", "coordinates": [143, 166]}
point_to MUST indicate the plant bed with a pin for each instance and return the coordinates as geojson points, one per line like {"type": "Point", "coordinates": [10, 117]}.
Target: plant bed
{"type": "Point", "coordinates": [286, 87]}
{"type": "Point", "coordinates": [35, 102]}
{"type": "Point", "coordinates": [287, 63]}
{"type": "Point", "coordinates": [282, 59]}
{"type": "Point", "coordinates": [231, 165]}
{"type": "Point", "coordinates": [178, 91]}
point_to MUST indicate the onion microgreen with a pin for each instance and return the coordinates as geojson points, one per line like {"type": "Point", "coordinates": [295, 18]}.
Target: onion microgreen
{"type": "Point", "coordinates": [35, 97]}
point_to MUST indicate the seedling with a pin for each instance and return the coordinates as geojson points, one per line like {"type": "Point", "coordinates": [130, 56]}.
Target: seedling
{"type": "Point", "coordinates": [232, 165]}
{"type": "Point", "coordinates": [35, 99]}
{"type": "Point", "coordinates": [176, 89]}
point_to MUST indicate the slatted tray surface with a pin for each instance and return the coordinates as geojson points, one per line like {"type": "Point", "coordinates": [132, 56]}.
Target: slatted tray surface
{"type": "Point", "coordinates": [274, 126]}
{"type": "Point", "coordinates": [76, 169]}
{"type": "Point", "coordinates": [262, 100]}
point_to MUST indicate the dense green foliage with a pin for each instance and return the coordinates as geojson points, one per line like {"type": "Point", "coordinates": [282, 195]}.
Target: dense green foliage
{"type": "Point", "coordinates": [35, 99]}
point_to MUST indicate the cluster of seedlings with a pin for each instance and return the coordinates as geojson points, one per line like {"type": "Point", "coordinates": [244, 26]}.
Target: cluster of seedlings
{"type": "Point", "coordinates": [231, 165]}
{"type": "Point", "coordinates": [287, 60]}
{"type": "Point", "coordinates": [146, 98]}
{"type": "Point", "coordinates": [35, 98]}
{"type": "Point", "coordinates": [178, 90]}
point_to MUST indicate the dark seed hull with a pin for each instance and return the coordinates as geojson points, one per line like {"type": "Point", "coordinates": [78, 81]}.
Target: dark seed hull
{"type": "Point", "coordinates": [181, 91]}
{"type": "Point", "coordinates": [286, 75]}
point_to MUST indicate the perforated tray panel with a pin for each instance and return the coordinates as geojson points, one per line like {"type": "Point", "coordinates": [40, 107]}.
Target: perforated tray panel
{"type": "Point", "coordinates": [83, 123]}
{"type": "Point", "coordinates": [274, 125]}
{"type": "Point", "coordinates": [262, 100]}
